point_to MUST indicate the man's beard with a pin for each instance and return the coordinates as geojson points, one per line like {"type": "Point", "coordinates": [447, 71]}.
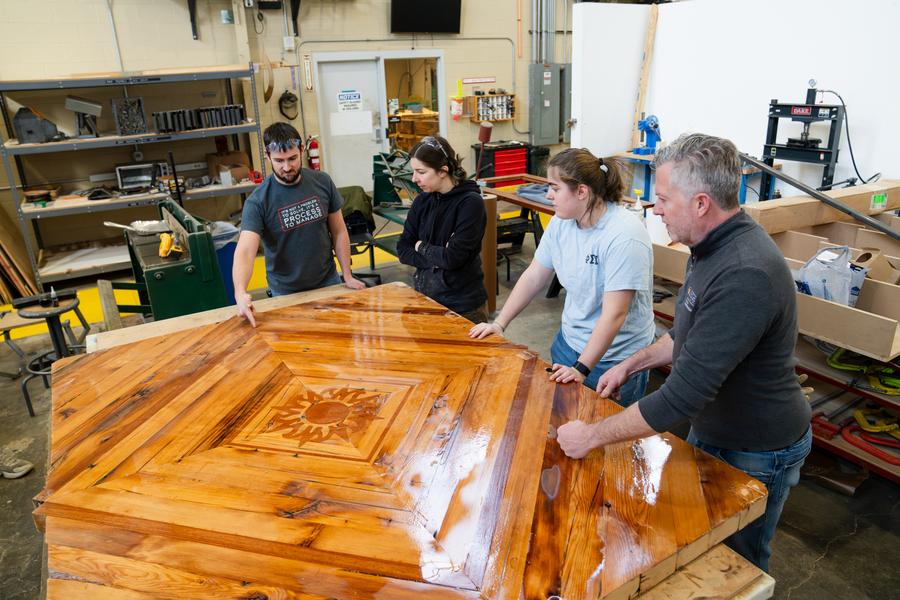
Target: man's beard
{"type": "Point", "coordinates": [288, 180]}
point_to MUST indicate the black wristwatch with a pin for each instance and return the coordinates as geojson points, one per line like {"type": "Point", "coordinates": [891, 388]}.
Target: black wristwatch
{"type": "Point", "coordinates": [581, 368]}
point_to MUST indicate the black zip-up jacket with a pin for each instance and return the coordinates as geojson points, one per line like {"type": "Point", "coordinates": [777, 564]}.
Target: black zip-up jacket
{"type": "Point", "coordinates": [448, 262]}
{"type": "Point", "coordinates": [734, 335]}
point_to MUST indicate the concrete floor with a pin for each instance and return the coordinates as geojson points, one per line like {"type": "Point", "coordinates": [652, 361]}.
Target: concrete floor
{"type": "Point", "coordinates": [828, 546]}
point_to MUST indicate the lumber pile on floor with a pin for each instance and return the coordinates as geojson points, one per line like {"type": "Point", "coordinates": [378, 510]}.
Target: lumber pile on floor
{"type": "Point", "coordinates": [15, 272]}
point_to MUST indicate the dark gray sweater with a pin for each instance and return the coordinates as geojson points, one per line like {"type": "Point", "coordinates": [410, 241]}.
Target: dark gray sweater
{"type": "Point", "coordinates": [734, 333]}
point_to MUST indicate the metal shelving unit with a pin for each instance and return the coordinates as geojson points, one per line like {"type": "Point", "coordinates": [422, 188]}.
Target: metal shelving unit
{"type": "Point", "coordinates": [61, 265]}
{"type": "Point", "coordinates": [118, 79]}
{"type": "Point", "coordinates": [12, 148]}
{"type": "Point", "coordinates": [58, 208]}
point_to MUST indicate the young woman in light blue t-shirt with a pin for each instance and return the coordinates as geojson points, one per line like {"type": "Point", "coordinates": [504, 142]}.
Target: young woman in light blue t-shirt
{"type": "Point", "coordinates": [603, 256]}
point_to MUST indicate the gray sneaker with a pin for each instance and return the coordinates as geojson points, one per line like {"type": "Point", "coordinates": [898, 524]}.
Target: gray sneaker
{"type": "Point", "coordinates": [13, 468]}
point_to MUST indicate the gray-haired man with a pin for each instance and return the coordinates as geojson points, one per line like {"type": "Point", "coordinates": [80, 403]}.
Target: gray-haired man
{"type": "Point", "coordinates": [731, 345]}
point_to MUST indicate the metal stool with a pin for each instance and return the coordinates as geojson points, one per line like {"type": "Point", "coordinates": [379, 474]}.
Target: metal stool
{"type": "Point", "coordinates": [9, 321]}
{"type": "Point", "coordinates": [361, 243]}
{"type": "Point", "coordinates": [504, 254]}
{"type": "Point", "coordinates": [40, 365]}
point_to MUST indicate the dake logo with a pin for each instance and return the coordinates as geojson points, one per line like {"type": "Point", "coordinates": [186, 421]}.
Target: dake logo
{"type": "Point", "coordinates": [302, 213]}
{"type": "Point", "coordinates": [592, 259]}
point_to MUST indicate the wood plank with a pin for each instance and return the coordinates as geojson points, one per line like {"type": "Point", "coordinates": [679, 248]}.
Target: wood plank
{"type": "Point", "coordinates": [851, 328]}
{"type": "Point", "coordinates": [111, 317]}
{"type": "Point", "coordinates": [12, 275]}
{"type": "Point", "coordinates": [867, 238]}
{"type": "Point", "coordinates": [578, 553]}
{"type": "Point", "coordinates": [489, 252]}
{"type": "Point", "coordinates": [6, 295]}
{"type": "Point", "coordinates": [670, 262]}
{"type": "Point", "coordinates": [70, 263]}
{"type": "Point", "coordinates": [720, 573]}
{"type": "Point", "coordinates": [11, 242]}
{"type": "Point", "coordinates": [797, 245]}
{"type": "Point", "coordinates": [355, 443]}
{"type": "Point", "coordinates": [890, 219]}
{"type": "Point", "coordinates": [111, 339]}
{"type": "Point", "coordinates": [295, 577]}
{"type": "Point", "coordinates": [646, 61]}
{"type": "Point", "coordinates": [840, 233]}
{"type": "Point", "coordinates": [802, 211]}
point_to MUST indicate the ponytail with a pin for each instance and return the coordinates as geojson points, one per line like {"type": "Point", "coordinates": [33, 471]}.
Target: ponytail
{"type": "Point", "coordinates": [603, 177]}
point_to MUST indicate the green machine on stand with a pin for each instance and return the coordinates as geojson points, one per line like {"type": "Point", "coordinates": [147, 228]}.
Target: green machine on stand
{"type": "Point", "coordinates": [392, 173]}
{"type": "Point", "coordinates": [181, 283]}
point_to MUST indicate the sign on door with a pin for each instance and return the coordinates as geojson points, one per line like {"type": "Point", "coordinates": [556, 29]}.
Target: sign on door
{"type": "Point", "coordinates": [349, 100]}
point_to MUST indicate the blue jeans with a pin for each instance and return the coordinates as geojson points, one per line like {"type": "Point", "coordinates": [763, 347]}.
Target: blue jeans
{"type": "Point", "coordinates": [334, 279]}
{"type": "Point", "coordinates": [779, 470]}
{"type": "Point", "coordinates": [563, 354]}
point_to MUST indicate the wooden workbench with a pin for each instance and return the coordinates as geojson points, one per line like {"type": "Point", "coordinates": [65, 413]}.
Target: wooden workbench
{"type": "Point", "coordinates": [495, 183]}
{"type": "Point", "coordinates": [360, 444]}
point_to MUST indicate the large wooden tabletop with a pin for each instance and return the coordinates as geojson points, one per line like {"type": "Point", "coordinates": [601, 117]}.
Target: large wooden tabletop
{"type": "Point", "coordinates": [358, 446]}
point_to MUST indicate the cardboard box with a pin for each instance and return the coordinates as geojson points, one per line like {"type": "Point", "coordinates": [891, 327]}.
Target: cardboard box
{"type": "Point", "coordinates": [238, 163]}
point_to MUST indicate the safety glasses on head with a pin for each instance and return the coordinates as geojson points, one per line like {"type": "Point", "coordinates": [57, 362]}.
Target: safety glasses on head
{"type": "Point", "coordinates": [284, 146]}
{"type": "Point", "coordinates": [432, 142]}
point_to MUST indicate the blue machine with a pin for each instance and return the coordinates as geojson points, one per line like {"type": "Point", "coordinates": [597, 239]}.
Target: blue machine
{"type": "Point", "coordinates": [649, 129]}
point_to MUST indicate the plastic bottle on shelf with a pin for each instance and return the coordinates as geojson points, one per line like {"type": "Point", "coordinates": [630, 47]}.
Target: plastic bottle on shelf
{"type": "Point", "coordinates": [634, 206]}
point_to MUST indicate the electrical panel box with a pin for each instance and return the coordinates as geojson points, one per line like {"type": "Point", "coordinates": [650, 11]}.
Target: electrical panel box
{"type": "Point", "coordinates": [543, 104]}
{"type": "Point", "coordinates": [549, 103]}
{"type": "Point", "coordinates": [565, 100]}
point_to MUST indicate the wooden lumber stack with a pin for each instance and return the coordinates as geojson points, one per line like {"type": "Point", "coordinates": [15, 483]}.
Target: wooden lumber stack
{"type": "Point", "coordinates": [15, 273]}
{"type": "Point", "coordinates": [780, 215]}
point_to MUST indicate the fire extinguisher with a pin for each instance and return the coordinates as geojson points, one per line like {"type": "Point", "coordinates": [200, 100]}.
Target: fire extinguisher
{"type": "Point", "coordinates": [312, 153]}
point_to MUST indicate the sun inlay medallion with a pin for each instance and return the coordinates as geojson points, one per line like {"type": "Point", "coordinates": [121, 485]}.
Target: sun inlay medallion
{"type": "Point", "coordinates": [316, 417]}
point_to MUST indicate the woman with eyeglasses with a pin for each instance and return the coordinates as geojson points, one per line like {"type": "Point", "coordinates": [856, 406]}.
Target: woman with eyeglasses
{"type": "Point", "coordinates": [603, 256]}
{"type": "Point", "coordinates": [442, 234]}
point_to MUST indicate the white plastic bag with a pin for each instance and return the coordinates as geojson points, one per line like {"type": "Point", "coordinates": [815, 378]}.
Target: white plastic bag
{"type": "Point", "coordinates": [828, 275]}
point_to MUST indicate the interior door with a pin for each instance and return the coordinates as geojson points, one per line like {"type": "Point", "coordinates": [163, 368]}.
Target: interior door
{"type": "Point", "coordinates": [350, 95]}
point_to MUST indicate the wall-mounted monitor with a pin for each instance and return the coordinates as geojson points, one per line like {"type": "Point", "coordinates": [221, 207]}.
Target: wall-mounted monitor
{"type": "Point", "coordinates": [425, 16]}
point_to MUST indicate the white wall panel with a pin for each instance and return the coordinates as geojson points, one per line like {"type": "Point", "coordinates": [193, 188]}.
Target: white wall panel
{"type": "Point", "coordinates": [718, 63]}
{"type": "Point", "coordinates": [607, 47]}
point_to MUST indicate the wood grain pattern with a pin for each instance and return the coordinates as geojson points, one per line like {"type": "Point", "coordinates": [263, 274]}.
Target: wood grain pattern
{"type": "Point", "coordinates": [358, 446]}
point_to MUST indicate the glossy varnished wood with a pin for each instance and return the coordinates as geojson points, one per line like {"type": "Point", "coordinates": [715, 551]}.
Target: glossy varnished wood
{"type": "Point", "coordinates": [359, 446]}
